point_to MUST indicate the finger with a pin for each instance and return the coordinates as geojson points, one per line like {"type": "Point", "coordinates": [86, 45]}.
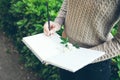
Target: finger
{"type": "Point", "coordinates": [52, 26]}
{"type": "Point", "coordinates": [46, 27]}
{"type": "Point", "coordinates": [46, 33]}
{"type": "Point", "coordinates": [52, 31]}
{"type": "Point", "coordinates": [46, 30]}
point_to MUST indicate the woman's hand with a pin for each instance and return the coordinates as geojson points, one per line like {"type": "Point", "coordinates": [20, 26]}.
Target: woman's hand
{"type": "Point", "coordinates": [53, 28]}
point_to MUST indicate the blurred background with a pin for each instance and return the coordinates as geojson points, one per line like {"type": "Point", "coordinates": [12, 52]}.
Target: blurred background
{"type": "Point", "coordinates": [20, 18]}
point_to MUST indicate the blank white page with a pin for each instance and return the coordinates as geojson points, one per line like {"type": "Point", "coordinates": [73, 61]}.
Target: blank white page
{"type": "Point", "coordinates": [43, 46]}
{"type": "Point", "coordinates": [76, 60]}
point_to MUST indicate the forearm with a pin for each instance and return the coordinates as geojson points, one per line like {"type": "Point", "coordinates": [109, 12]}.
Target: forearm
{"type": "Point", "coordinates": [60, 19]}
{"type": "Point", "coordinates": [111, 48]}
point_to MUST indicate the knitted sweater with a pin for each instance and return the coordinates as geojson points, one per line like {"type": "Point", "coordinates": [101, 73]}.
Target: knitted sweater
{"type": "Point", "coordinates": [89, 22]}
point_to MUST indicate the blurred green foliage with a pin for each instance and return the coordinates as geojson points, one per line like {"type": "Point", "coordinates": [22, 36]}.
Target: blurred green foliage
{"type": "Point", "coordinates": [19, 18]}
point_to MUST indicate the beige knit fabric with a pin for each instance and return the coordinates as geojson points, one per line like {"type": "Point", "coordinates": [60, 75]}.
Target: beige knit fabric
{"type": "Point", "coordinates": [88, 23]}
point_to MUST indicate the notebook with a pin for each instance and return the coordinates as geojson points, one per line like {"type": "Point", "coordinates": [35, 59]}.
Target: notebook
{"type": "Point", "coordinates": [49, 49]}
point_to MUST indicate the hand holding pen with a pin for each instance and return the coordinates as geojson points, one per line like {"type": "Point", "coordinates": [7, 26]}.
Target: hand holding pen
{"type": "Point", "coordinates": [51, 29]}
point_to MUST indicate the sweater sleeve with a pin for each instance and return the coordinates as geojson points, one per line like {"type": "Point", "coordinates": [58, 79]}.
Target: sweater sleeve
{"type": "Point", "coordinates": [111, 47]}
{"type": "Point", "coordinates": [62, 13]}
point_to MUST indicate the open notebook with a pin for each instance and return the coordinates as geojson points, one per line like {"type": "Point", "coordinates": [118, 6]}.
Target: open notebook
{"type": "Point", "coordinates": [50, 50]}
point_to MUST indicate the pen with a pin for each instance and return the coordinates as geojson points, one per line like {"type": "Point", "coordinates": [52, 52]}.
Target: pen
{"type": "Point", "coordinates": [48, 16]}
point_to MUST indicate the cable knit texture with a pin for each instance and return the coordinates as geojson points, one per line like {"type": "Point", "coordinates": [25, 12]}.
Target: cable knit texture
{"type": "Point", "coordinates": [89, 22]}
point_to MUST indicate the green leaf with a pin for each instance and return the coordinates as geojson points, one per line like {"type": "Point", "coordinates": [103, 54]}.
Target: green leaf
{"type": "Point", "coordinates": [62, 42]}
{"type": "Point", "coordinates": [118, 64]}
{"type": "Point", "coordinates": [21, 22]}
{"type": "Point", "coordinates": [119, 73]}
